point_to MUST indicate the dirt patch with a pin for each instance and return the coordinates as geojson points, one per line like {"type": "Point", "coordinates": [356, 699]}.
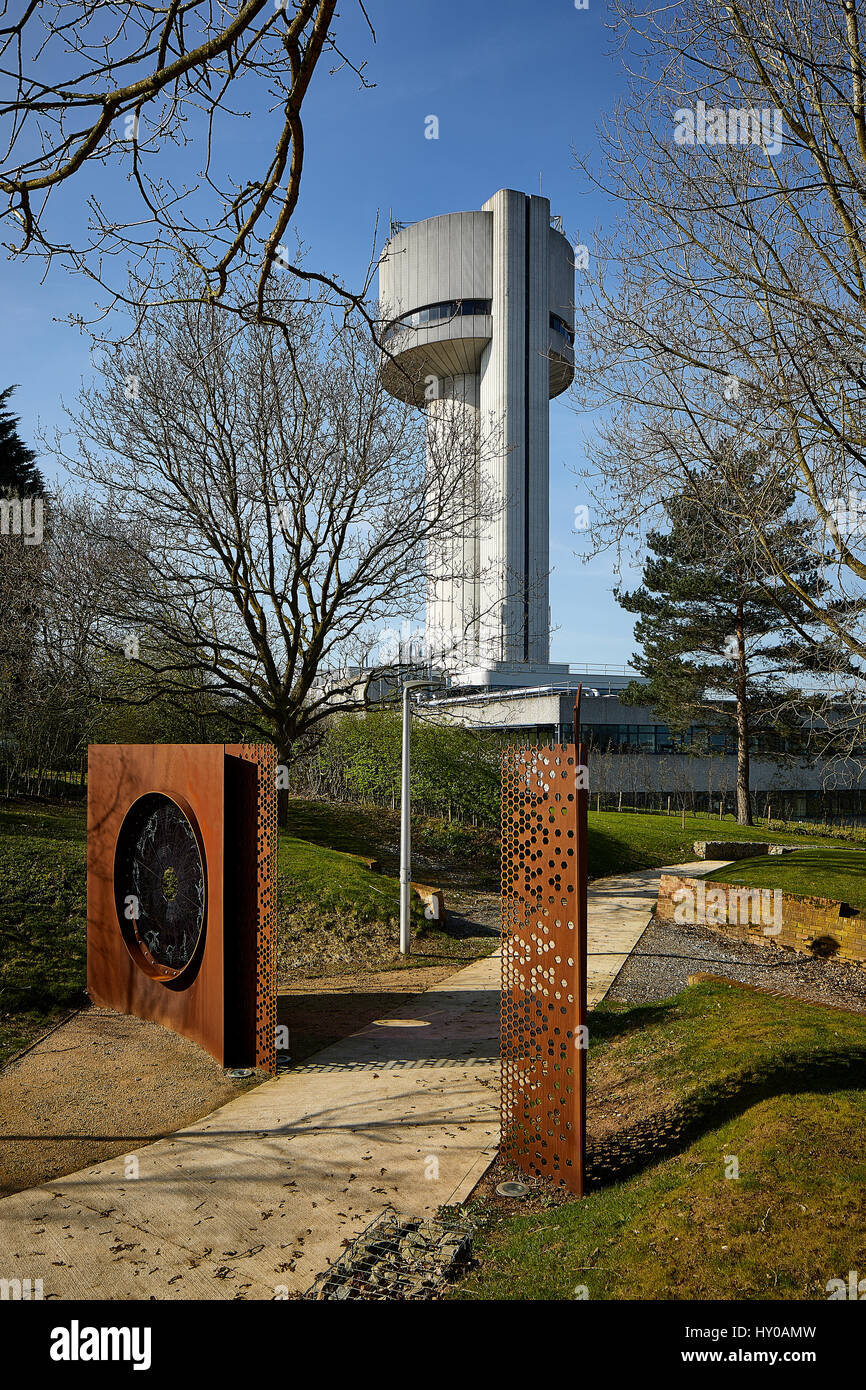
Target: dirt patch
{"type": "Point", "coordinates": [485, 1202]}
{"type": "Point", "coordinates": [618, 1098]}
{"type": "Point", "coordinates": [100, 1085]}
{"type": "Point", "coordinates": [473, 907]}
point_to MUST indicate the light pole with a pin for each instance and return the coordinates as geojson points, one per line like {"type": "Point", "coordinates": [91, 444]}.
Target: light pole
{"type": "Point", "coordinates": [405, 814]}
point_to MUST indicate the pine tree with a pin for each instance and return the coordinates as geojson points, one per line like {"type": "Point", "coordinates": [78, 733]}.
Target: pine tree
{"type": "Point", "coordinates": [19, 476]}
{"type": "Point", "coordinates": [719, 634]}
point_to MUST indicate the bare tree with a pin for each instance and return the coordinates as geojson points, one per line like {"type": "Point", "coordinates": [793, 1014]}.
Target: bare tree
{"type": "Point", "coordinates": [50, 594]}
{"type": "Point", "coordinates": [276, 506]}
{"type": "Point", "coordinates": [22, 581]}
{"type": "Point", "coordinates": [94, 83]}
{"type": "Point", "coordinates": [734, 302]}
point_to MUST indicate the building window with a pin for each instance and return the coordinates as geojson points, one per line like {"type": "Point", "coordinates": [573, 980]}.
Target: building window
{"type": "Point", "coordinates": [438, 313]}
{"type": "Point", "coordinates": [658, 738]}
{"type": "Point", "coordinates": [560, 326]}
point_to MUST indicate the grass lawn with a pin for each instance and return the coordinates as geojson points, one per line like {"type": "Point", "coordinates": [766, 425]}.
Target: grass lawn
{"type": "Point", "coordinates": [619, 841]}
{"type": "Point", "coordinates": [623, 840]}
{"type": "Point", "coordinates": [779, 1085]}
{"type": "Point", "coordinates": [337, 916]}
{"type": "Point", "coordinates": [42, 920]}
{"type": "Point", "coordinates": [374, 831]}
{"type": "Point", "coordinates": [817, 873]}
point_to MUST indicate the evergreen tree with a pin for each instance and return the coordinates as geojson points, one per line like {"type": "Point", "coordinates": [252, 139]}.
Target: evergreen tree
{"type": "Point", "coordinates": [719, 633]}
{"type": "Point", "coordinates": [19, 476]}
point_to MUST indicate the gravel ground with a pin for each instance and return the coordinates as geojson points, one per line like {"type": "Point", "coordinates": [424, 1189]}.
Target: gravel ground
{"type": "Point", "coordinates": [668, 953]}
{"type": "Point", "coordinates": [100, 1085]}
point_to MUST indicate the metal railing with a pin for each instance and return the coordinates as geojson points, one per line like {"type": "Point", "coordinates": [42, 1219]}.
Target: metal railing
{"type": "Point", "coordinates": [605, 669]}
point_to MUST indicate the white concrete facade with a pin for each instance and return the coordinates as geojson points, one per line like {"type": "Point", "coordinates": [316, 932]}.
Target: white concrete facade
{"type": "Point", "coordinates": [479, 313]}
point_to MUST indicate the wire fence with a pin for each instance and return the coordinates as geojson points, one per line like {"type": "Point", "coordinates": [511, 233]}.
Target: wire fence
{"type": "Point", "coordinates": [66, 779]}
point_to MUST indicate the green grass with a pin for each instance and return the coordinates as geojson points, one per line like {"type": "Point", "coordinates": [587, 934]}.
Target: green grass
{"type": "Point", "coordinates": [839, 874]}
{"type": "Point", "coordinates": [42, 921]}
{"type": "Point", "coordinates": [343, 826]}
{"type": "Point", "coordinates": [620, 841]}
{"type": "Point", "coordinates": [335, 915]}
{"type": "Point", "coordinates": [779, 1085]}
{"type": "Point", "coordinates": [334, 880]}
{"type": "Point", "coordinates": [374, 831]}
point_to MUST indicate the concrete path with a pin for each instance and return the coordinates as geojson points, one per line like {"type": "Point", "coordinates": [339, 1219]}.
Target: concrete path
{"type": "Point", "coordinates": [619, 910]}
{"type": "Point", "coordinates": [256, 1199]}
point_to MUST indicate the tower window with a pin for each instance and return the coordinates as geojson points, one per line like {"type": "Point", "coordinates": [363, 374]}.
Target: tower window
{"type": "Point", "coordinates": [438, 313]}
{"type": "Point", "coordinates": [560, 326]}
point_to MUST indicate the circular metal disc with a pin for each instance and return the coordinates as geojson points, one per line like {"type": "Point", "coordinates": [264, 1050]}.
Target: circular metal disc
{"type": "Point", "coordinates": [513, 1189]}
{"type": "Point", "coordinates": [159, 885]}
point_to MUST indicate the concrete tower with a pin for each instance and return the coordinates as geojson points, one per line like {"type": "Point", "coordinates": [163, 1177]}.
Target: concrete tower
{"type": "Point", "coordinates": [479, 313]}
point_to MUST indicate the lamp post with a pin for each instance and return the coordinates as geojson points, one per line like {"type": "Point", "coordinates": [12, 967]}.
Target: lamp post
{"type": "Point", "coordinates": [405, 814]}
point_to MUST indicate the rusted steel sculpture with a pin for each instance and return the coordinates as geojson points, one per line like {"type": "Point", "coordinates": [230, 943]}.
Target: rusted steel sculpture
{"type": "Point", "coordinates": [181, 897]}
{"type": "Point", "coordinates": [543, 1010]}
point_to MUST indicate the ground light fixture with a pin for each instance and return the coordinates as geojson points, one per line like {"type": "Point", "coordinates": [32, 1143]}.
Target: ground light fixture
{"type": "Point", "coordinates": [512, 1189]}
{"type": "Point", "coordinates": [406, 811]}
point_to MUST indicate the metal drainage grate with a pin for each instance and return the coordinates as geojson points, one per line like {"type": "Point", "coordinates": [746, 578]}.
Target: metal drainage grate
{"type": "Point", "coordinates": [398, 1257]}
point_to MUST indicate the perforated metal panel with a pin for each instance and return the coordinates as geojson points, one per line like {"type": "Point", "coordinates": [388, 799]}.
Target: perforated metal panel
{"type": "Point", "coordinates": [264, 754]}
{"type": "Point", "coordinates": [543, 1017]}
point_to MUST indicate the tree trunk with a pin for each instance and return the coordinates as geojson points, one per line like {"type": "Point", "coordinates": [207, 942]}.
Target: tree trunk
{"type": "Point", "coordinates": [283, 755]}
{"type": "Point", "coordinates": [744, 795]}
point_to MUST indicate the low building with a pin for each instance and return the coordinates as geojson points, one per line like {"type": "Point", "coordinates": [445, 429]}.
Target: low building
{"type": "Point", "coordinates": [637, 760]}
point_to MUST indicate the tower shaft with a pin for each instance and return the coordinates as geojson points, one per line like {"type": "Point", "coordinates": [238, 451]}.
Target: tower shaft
{"type": "Point", "coordinates": [478, 310]}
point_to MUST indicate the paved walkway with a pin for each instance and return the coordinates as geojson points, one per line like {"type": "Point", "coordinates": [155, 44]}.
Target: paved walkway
{"type": "Point", "coordinates": [256, 1199]}
{"type": "Point", "coordinates": [619, 909]}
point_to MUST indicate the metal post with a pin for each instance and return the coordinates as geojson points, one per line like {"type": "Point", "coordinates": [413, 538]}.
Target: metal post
{"type": "Point", "coordinates": [405, 828]}
{"type": "Point", "coordinates": [405, 816]}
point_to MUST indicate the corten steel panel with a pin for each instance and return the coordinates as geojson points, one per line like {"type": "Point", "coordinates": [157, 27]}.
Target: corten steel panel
{"type": "Point", "coordinates": [263, 760]}
{"type": "Point", "coordinates": [543, 1009]}
{"type": "Point", "coordinates": [226, 793]}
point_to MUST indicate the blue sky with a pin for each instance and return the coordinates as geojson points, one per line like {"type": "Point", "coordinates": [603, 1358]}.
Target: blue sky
{"type": "Point", "coordinates": [515, 87]}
